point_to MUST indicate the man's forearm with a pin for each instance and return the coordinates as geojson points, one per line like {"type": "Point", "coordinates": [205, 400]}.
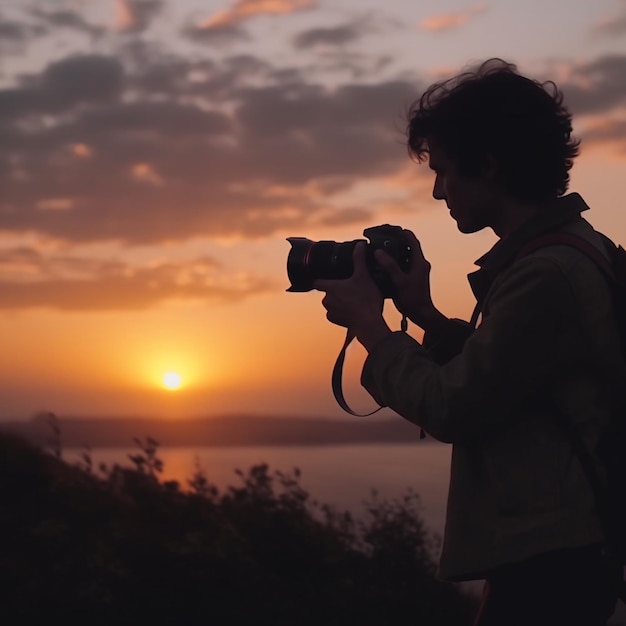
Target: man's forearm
{"type": "Point", "coordinates": [371, 331]}
{"type": "Point", "coordinates": [436, 323]}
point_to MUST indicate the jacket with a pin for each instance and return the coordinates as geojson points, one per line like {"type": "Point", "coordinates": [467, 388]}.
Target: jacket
{"type": "Point", "coordinates": [547, 345]}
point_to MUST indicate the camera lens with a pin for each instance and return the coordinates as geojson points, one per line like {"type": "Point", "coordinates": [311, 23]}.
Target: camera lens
{"type": "Point", "coordinates": [309, 260]}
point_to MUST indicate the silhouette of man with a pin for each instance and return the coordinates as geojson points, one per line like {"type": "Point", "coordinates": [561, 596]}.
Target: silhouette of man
{"type": "Point", "coordinates": [521, 512]}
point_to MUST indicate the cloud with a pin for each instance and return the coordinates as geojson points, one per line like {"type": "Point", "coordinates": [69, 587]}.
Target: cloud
{"type": "Point", "coordinates": [614, 25]}
{"type": "Point", "coordinates": [208, 156]}
{"type": "Point", "coordinates": [29, 279]}
{"type": "Point", "coordinates": [452, 20]}
{"type": "Point", "coordinates": [152, 118]}
{"type": "Point", "coordinates": [136, 15]}
{"type": "Point", "coordinates": [333, 36]}
{"type": "Point", "coordinates": [15, 32]}
{"type": "Point", "coordinates": [147, 144]}
{"type": "Point", "coordinates": [597, 86]}
{"type": "Point", "coordinates": [218, 35]}
{"type": "Point", "coordinates": [607, 132]}
{"type": "Point", "coordinates": [63, 85]}
{"type": "Point", "coordinates": [66, 19]}
{"type": "Point", "coordinates": [246, 9]}
{"type": "Point", "coordinates": [142, 144]}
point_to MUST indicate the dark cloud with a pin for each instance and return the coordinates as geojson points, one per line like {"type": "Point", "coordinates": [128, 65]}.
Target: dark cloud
{"type": "Point", "coordinates": [149, 146]}
{"type": "Point", "coordinates": [66, 19]}
{"type": "Point", "coordinates": [217, 36]}
{"type": "Point", "coordinates": [88, 78]}
{"type": "Point", "coordinates": [610, 131]}
{"type": "Point", "coordinates": [13, 31]}
{"type": "Point", "coordinates": [169, 120]}
{"type": "Point", "coordinates": [334, 56]}
{"type": "Point", "coordinates": [356, 65]}
{"type": "Point", "coordinates": [613, 26]}
{"type": "Point", "coordinates": [146, 145]}
{"type": "Point", "coordinates": [212, 82]}
{"type": "Point", "coordinates": [246, 65]}
{"type": "Point", "coordinates": [216, 156]}
{"type": "Point", "coordinates": [29, 279]}
{"type": "Point", "coordinates": [310, 114]}
{"type": "Point", "coordinates": [598, 86]}
{"type": "Point", "coordinates": [140, 13]}
{"type": "Point", "coordinates": [15, 35]}
{"type": "Point", "coordinates": [153, 71]}
{"type": "Point", "coordinates": [63, 85]}
{"type": "Point", "coordinates": [334, 36]}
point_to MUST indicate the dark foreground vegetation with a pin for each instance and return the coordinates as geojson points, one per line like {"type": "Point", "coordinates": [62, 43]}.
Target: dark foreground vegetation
{"type": "Point", "coordinates": [118, 546]}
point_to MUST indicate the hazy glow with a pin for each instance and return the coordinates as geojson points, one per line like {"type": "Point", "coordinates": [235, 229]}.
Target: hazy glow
{"type": "Point", "coordinates": [157, 162]}
{"type": "Point", "coordinates": [145, 172]}
{"type": "Point", "coordinates": [82, 150]}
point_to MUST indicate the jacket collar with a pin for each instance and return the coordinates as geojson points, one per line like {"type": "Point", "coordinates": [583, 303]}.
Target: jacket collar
{"type": "Point", "coordinates": [553, 216]}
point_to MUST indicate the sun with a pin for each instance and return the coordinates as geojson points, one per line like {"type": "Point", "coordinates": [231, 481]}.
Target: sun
{"type": "Point", "coordinates": [171, 380]}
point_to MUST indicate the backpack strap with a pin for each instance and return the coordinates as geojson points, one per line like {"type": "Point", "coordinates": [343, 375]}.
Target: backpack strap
{"type": "Point", "coordinates": [614, 269]}
{"type": "Point", "coordinates": [575, 241]}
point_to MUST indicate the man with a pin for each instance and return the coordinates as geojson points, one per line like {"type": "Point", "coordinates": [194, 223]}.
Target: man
{"type": "Point", "coordinates": [542, 346]}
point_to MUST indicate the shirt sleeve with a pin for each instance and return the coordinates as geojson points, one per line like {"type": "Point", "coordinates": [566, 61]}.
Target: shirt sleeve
{"type": "Point", "coordinates": [443, 346]}
{"type": "Point", "coordinates": [527, 336]}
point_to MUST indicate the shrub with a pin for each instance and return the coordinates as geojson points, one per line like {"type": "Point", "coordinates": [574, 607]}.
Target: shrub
{"type": "Point", "coordinates": [122, 547]}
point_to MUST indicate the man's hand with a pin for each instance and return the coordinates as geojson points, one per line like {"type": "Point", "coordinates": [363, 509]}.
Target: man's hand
{"type": "Point", "coordinates": [356, 302]}
{"type": "Point", "coordinates": [413, 297]}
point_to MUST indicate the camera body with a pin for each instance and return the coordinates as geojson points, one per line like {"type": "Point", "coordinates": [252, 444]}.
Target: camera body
{"type": "Point", "coordinates": [310, 260]}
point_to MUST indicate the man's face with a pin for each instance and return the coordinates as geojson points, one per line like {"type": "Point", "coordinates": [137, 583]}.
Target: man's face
{"type": "Point", "coordinates": [471, 200]}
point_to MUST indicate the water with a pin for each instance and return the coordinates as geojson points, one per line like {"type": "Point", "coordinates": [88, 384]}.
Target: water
{"type": "Point", "coordinates": [342, 476]}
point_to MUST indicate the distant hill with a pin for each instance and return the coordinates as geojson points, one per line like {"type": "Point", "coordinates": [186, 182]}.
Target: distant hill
{"type": "Point", "coordinates": [214, 431]}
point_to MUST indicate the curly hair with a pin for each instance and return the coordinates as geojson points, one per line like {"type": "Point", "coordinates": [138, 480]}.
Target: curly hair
{"type": "Point", "coordinates": [495, 112]}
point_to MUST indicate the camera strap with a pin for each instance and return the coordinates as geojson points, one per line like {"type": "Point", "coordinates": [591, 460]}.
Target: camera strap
{"type": "Point", "coordinates": [338, 374]}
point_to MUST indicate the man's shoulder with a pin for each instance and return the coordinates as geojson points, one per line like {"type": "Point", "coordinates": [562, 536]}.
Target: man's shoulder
{"type": "Point", "coordinates": [575, 243]}
{"type": "Point", "coordinates": [556, 270]}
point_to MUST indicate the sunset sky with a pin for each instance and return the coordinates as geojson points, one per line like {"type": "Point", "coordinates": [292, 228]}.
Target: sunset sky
{"type": "Point", "coordinates": [155, 154]}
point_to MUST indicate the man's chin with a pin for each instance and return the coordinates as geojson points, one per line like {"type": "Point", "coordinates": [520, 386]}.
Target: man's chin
{"type": "Point", "coordinates": [468, 229]}
{"type": "Point", "coordinates": [463, 227]}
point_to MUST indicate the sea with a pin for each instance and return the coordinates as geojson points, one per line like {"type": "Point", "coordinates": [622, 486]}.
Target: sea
{"type": "Point", "coordinates": [346, 477]}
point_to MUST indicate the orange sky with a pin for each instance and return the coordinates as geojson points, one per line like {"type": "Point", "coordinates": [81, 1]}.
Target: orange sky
{"type": "Point", "coordinates": [156, 154]}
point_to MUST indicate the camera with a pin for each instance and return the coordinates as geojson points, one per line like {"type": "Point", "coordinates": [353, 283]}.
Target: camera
{"type": "Point", "coordinates": [309, 260]}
